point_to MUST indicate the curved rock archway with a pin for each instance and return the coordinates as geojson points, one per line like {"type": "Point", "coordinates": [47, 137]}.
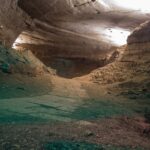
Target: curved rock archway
{"type": "Point", "coordinates": [68, 30]}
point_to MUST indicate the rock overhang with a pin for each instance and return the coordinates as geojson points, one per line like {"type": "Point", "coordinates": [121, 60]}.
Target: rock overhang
{"type": "Point", "coordinates": [67, 20]}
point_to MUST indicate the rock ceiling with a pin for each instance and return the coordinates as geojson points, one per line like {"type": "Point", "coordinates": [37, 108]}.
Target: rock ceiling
{"type": "Point", "coordinates": [96, 19]}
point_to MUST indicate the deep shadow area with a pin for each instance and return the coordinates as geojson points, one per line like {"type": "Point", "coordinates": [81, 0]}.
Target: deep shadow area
{"type": "Point", "coordinates": [69, 64]}
{"type": "Point", "coordinates": [74, 67]}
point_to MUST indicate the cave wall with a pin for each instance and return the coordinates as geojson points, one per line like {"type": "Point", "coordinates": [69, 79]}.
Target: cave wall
{"type": "Point", "coordinates": [64, 29]}
{"type": "Point", "coordinates": [63, 44]}
{"type": "Point", "coordinates": [12, 21]}
{"type": "Point", "coordinates": [141, 34]}
{"type": "Point", "coordinates": [44, 9]}
{"type": "Point", "coordinates": [133, 62]}
{"type": "Point", "coordinates": [47, 37]}
{"type": "Point", "coordinates": [138, 47]}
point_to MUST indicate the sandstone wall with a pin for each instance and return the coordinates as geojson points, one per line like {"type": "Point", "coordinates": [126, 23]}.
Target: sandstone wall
{"type": "Point", "coordinates": [133, 64]}
{"type": "Point", "coordinates": [12, 21]}
{"type": "Point", "coordinates": [137, 52]}
{"type": "Point", "coordinates": [45, 9]}
{"type": "Point", "coordinates": [141, 34]}
{"type": "Point", "coordinates": [138, 48]}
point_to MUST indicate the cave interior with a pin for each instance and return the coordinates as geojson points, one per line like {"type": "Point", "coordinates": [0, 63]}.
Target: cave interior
{"type": "Point", "coordinates": [74, 75]}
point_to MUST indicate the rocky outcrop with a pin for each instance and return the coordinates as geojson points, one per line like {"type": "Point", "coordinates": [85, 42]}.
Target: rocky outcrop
{"type": "Point", "coordinates": [25, 63]}
{"type": "Point", "coordinates": [133, 63]}
{"type": "Point", "coordinates": [138, 48]}
{"type": "Point", "coordinates": [141, 34]}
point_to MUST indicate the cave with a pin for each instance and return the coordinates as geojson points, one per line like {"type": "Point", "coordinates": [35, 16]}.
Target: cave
{"type": "Point", "coordinates": [74, 75]}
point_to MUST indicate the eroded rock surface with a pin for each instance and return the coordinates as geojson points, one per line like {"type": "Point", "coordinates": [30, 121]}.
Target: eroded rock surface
{"type": "Point", "coordinates": [133, 63]}
{"type": "Point", "coordinates": [12, 21]}
{"type": "Point", "coordinates": [65, 33]}
{"type": "Point", "coordinates": [141, 34]}
{"type": "Point", "coordinates": [71, 25]}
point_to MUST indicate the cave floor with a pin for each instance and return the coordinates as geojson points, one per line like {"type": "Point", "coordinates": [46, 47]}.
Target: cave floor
{"type": "Point", "coordinates": [69, 114]}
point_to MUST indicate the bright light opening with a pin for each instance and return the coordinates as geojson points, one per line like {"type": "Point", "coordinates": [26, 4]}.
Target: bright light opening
{"type": "Point", "coordinates": [20, 39]}
{"type": "Point", "coordinates": [140, 5]}
{"type": "Point", "coordinates": [118, 36]}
